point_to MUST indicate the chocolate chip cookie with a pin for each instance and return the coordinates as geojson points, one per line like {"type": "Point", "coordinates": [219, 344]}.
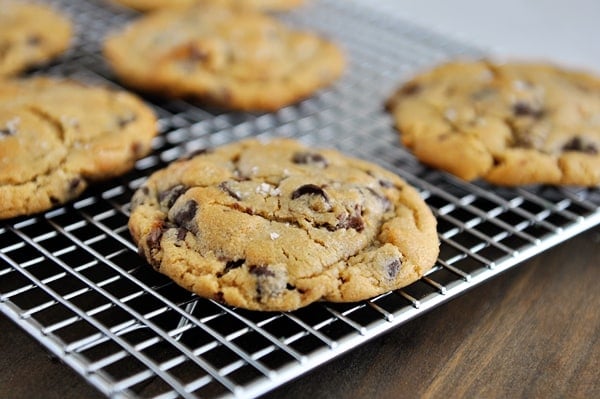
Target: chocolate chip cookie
{"type": "Point", "coordinates": [58, 135]}
{"type": "Point", "coordinates": [233, 58]}
{"type": "Point", "coordinates": [264, 5]}
{"type": "Point", "coordinates": [276, 226]}
{"type": "Point", "coordinates": [508, 123]}
{"type": "Point", "coordinates": [31, 34]}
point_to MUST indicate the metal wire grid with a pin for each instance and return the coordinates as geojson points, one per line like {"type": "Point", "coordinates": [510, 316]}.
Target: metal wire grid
{"type": "Point", "coordinates": [72, 278]}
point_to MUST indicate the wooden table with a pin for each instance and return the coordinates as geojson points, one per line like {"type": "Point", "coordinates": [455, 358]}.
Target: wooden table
{"type": "Point", "coordinates": [533, 332]}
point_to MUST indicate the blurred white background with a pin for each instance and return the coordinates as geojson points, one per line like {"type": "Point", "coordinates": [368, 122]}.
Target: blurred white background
{"type": "Point", "coordinates": [565, 32]}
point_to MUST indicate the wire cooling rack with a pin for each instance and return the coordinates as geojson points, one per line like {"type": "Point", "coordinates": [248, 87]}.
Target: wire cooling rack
{"type": "Point", "coordinates": [72, 279]}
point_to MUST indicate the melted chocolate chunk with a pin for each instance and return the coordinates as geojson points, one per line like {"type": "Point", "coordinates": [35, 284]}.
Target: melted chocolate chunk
{"type": "Point", "coordinates": [168, 198]}
{"type": "Point", "coordinates": [577, 144]}
{"type": "Point", "coordinates": [225, 187]}
{"type": "Point", "coordinates": [392, 269]}
{"type": "Point", "coordinates": [74, 184]}
{"type": "Point", "coordinates": [262, 271]}
{"type": "Point", "coordinates": [410, 89]}
{"type": "Point", "coordinates": [181, 233]}
{"type": "Point", "coordinates": [234, 264]}
{"type": "Point", "coordinates": [137, 149]}
{"type": "Point", "coordinates": [309, 189]}
{"type": "Point", "coordinates": [153, 239]}
{"type": "Point", "coordinates": [6, 132]}
{"type": "Point", "coordinates": [185, 216]}
{"type": "Point", "coordinates": [354, 221]}
{"type": "Point", "coordinates": [195, 54]}
{"type": "Point", "coordinates": [268, 282]}
{"type": "Point", "coordinates": [386, 184]}
{"type": "Point", "coordinates": [310, 158]}
{"type": "Point", "coordinates": [34, 40]}
{"type": "Point", "coordinates": [524, 109]}
{"type": "Point", "coordinates": [125, 120]}
{"type": "Point", "coordinates": [10, 129]}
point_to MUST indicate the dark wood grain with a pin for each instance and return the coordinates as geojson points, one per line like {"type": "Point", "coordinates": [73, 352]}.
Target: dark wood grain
{"type": "Point", "coordinates": [533, 332]}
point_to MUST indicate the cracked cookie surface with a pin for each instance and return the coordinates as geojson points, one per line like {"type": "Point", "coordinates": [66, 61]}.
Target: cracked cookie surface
{"type": "Point", "coordinates": [510, 124]}
{"type": "Point", "coordinates": [52, 146]}
{"type": "Point", "coordinates": [277, 225]}
{"type": "Point", "coordinates": [31, 34]}
{"type": "Point", "coordinates": [232, 58]}
{"type": "Point", "coordinates": [264, 5]}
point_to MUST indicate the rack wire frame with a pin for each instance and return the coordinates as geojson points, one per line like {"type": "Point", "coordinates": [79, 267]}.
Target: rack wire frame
{"type": "Point", "coordinates": [72, 279]}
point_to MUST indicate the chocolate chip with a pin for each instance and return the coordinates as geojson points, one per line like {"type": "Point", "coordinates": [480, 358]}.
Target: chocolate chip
{"type": "Point", "coordinates": [523, 109]}
{"type": "Point", "coordinates": [219, 297]}
{"type": "Point", "coordinates": [225, 187]}
{"type": "Point", "coordinates": [137, 149]}
{"type": "Point", "coordinates": [354, 221]}
{"type": "Point", "coordinates": [181, 233]}
{"type": "Point", "coordinates": [269, 283]}
{"type": "Point", "coordinates": [195, 54]}
{"type": "Point", "coordinates": [309, 158]}
{"type": "Point", "coordinates": [233, 264]}
{"type": "Point", "coordinates": [577, 144]}
{"type": "Point", "coordinates": [185, 216]}
{"type": "Point", "coordinates": [309, 189]}
{"type": "Point", "coordinates": [386, 183]}
{"type": "Point", "coordinates": [153, 239]}
{"type": "Point", "coordinates": [168, 198]}
{"type": "Point", "coordinates": [74, 184]}
{"type": "Point", "coordinates": [410, 89]}
{"type": "Point", "coordinates": [392, 269]}
{"type": "Point", "coordinates": [125, 120]}
{"type": "Point", "coordinates": [6, 132]}
{"type": "Point", "coordinates": [34, 40]}
{"type": "Point", "coordinates": [262, 271]}
{"type": "Point", "coordinates": [10, 128]}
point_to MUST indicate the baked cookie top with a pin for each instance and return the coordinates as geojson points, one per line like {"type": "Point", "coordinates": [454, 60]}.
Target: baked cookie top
{"type": "Point", "coordinates": [30, 35]}
{"type": "Point", "coordinates": [276, 226]}
{"type": "Point", "coordinates": [264, 5]}
{"type": "Point", "coordinates": [510, 124]}
{"type": "Point", "coordinates": [57, 135]}
{"type": "Point", "coordinates": [233, 58]}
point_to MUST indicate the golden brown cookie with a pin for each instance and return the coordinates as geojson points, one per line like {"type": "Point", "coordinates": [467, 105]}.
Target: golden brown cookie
{"type": "Point", "coordinates": [232, 58]}
{"type": "Point", "coordinates": [510, 124]}
{"type": "Point", "coordinates": [30, 34]}
{"type": "Point", "coordinates": [277, 225]}
{"type": "Point", "coordinates": [56, 136]}
{"type": "Point", "coordinates": [264, 5]}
